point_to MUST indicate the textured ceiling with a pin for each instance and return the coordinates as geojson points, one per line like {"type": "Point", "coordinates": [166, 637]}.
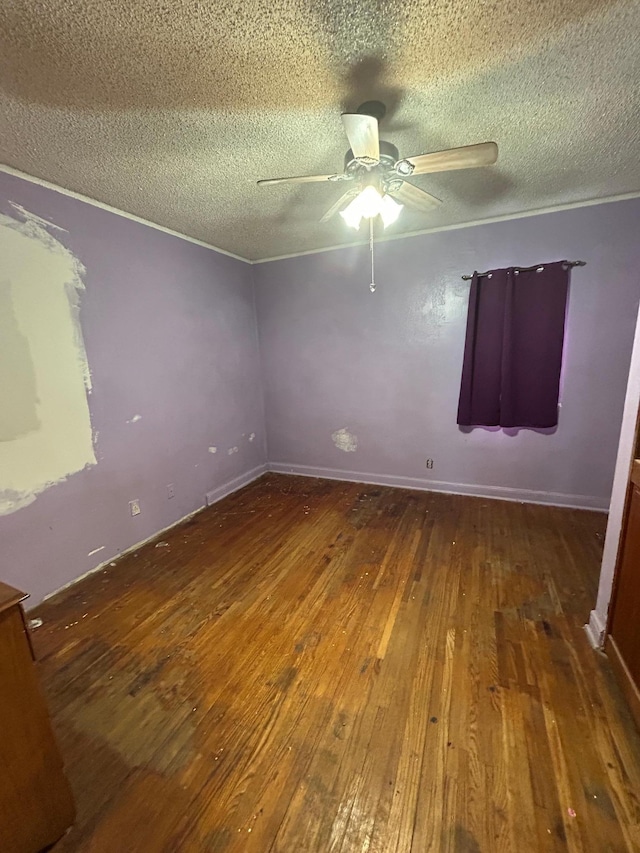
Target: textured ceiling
{"type": "Point", "coordinates": [172, 109]}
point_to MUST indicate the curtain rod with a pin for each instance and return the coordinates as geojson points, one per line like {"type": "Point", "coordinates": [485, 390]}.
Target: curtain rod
{"type": "Point", "coordinates": [529, 269]}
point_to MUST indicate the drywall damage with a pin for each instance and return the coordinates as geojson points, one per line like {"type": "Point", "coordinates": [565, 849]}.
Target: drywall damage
{"type": "Point", "coordinates": [45, 425]}
{"type": "Point", "coordinates": [345, 440]}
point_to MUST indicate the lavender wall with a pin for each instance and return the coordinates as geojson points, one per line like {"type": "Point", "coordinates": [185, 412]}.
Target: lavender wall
{"type": "Point", "coordinates": [170, 334]}
{"type": "Point", "coordinates": [386, 366]}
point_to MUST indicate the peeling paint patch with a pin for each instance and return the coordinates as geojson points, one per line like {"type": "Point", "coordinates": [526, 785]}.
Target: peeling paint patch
{"type": "Point", "coordinates": [213, 450]}
{"type": "Point", "coordinates": [38, 220]}
{"type": "Point", "coordinates": [135, 419]}
{"type": "Point", "coordinates": [252, 436]}
{"type": "Point", "coordinates": [95, 550]}
{"type": "Point", "coordinates": [345, 440]}
{"type": "Point", "coordinates": [232, 450]}
{"type": "Point", "coordinates": [45, 424]}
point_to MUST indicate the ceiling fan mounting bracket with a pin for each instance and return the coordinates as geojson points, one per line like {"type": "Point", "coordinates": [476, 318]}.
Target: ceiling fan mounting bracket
{"type": "Point", "coordinates": [404, 168]}
{"type": "Point", "coordinates": [392, 184]}
{"type": "Point", "coordinates": [388, 157]}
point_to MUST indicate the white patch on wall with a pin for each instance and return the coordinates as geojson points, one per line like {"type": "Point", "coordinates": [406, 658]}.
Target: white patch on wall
{"type": "Point", "coordinates": [213, 450]}
{"type": "Point", "coordinates": [96, 550]}
{"type": "Point", "coordinates": [345, 440]}
{"type": "Point", "coordinates": [135, 419]}
{"type": "Point", "coordinates": [252, 436]}
{"type": "Point", "coordinates": [45, 426]}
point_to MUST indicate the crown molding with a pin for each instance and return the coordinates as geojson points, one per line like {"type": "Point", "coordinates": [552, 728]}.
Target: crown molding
{"type": "Point", "coordinates": [471, 224]}
{"type": "Point", "coordinates": [9, 170]}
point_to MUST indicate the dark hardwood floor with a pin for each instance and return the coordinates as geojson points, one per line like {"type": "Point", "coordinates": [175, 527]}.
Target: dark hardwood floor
{"type": "Point", "coordinates": [321, 666]}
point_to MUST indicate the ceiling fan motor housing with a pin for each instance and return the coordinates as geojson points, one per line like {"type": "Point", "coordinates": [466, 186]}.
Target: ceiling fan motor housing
{"type": "Point", "coordinates": [373, 108]}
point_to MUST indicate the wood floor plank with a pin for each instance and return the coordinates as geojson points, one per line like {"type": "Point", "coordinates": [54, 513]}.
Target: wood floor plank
{"type": "Point", "coordinates": [322, 666]}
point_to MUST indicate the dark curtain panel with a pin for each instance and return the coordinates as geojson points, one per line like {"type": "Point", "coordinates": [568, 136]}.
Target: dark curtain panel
{"type": "Point", "coordinates": [513, 349]}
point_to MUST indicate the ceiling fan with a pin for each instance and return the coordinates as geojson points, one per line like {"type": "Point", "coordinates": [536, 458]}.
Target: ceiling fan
{"type": "Point", "coordinates": [377, 176]}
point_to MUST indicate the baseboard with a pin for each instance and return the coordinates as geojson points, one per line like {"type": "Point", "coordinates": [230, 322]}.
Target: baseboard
{"type": "Point", "coordinates": [233, 485]}
{"type": "Point", "coordinates": [211, 498]}
{"type": "Point", "coordinates": [472, 489]}
{"type": "Point", "coordinates": [595, 630]}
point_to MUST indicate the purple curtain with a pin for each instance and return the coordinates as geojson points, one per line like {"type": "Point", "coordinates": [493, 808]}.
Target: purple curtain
{"type": "Point", "coordinates": [513, 349]}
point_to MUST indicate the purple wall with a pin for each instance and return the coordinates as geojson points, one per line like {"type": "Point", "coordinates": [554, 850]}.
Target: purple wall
{"type": "Point", "coordinates": [170, 334]}
{"type": "Point", "coordinates": [387, 365]}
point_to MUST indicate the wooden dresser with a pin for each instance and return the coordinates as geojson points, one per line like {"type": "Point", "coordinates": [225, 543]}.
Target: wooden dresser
{"type": "Point", "coordinates": [36, 804]}
{"type": "Point", "coordinates": [623, 640]}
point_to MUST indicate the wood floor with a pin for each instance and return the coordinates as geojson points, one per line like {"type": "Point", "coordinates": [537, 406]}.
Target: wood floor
{"type": "Point", "coordinates": [321, 666]}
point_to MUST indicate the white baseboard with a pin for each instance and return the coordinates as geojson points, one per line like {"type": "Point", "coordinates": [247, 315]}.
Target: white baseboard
{"type": "Point", "coordinates": [117, 556]}
{"type": "Point", "coordinates": [473, 489]}
{"type": "Point", "coordinates": [237, 483]}
{"type": "Point", "coordinates": [211, 498]}
{"type": "Point", "coordinates": [595, 630]}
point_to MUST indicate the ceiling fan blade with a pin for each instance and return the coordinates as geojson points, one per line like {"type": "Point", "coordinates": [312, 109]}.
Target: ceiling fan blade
{"type": "Point", "coordinates": [467, 157]}
{"type": "Point", "coordinates": [415, 198]}
{"type": "Point", "coordinates": [362, 133]}
{"type": "Point", "coordinates": [337, 207]}
{"type": "Point", "coordinates": [302, 179]}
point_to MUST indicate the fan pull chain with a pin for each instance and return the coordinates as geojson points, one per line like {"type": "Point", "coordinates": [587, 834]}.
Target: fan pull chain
{"type": "Point", "coordinates": [372, 286]}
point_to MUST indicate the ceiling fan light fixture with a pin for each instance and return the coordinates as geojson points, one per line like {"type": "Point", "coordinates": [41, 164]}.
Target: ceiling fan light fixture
{"type": "Point", "coordinates": [352, 214]}
{"type": "Point", "coordinates": [389, 210]}
{"type": "Point", "coordinates": [367, 205]}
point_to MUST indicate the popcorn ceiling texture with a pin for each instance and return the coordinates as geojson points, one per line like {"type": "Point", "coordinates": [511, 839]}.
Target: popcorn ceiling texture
{"type": "Point", "coordinates": [172, 110]}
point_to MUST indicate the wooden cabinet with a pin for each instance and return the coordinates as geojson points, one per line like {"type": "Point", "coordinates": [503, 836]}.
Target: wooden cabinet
{"type": "Point", "coordinates": [36, 805]}
{"type": "Point", "coordinates": [623, 641]}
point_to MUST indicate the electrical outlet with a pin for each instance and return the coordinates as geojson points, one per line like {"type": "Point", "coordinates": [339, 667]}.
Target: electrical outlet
{"type": "Point", "coordinates": [134, 507]}
{"type": "Point", "coordinates": [171, 492]}
{"type": "Point", "coordinates": [429, 463]}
